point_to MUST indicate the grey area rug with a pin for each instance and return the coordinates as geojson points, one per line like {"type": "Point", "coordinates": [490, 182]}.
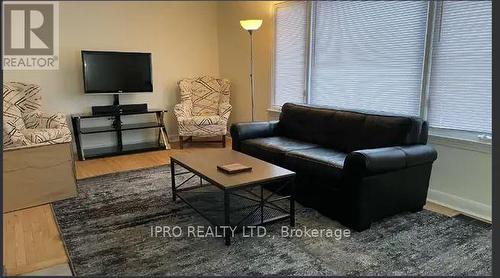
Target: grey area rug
{"type": "Point", "coordinates": [106, 230]}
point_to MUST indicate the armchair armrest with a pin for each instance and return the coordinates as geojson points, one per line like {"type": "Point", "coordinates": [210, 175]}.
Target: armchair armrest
{"type": "Point", "coordinates": [243, 131]}
{"type": "Point", "coordinates": [12, 137]}
{"type": "Point", "coordinates": [38, 119]}
{"type": "Point", "coordinates": [375, 161]}
{"type": "Point", "coordinates": [182, 110]}
{"type": "Point", "coordinates": [225, 111]}
{"type": "Point", "coordinates": [53, 120]}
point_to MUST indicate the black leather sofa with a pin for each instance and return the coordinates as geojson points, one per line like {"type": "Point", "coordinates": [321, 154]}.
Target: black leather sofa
{"type": "Point", "coordinates": [354, 166]}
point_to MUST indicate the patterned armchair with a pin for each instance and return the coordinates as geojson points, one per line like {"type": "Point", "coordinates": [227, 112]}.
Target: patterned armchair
{"type": "Point", "coordinates": [204, 109]}
{"type": "Point", "coordinates": [24, 124]}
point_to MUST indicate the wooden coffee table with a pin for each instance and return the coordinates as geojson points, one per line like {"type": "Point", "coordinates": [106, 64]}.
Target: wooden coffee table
{"type": "Point", "coordinates": [233, 200]}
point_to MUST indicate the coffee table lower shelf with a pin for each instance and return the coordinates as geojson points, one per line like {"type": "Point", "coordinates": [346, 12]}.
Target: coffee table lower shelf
{"type": "Point", "coordinates": [251, 205]}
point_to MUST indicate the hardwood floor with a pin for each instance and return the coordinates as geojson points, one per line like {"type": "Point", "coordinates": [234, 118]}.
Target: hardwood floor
{"type": "Point", "coordinates": [31, 240]}
{"type": "Point", "coordinates": [102, 166]}
{"type": "Point", "coordinates": [31, 237]}
{"type": "Point", "coordinates": [441, 209]}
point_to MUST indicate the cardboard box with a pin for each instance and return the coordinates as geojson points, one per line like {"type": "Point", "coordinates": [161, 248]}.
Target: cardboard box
{"type": "Point", "coordinates": [37, 175]}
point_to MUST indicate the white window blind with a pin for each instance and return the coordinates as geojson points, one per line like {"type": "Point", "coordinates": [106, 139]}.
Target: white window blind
{"type": "Point", "coordinates": [290, 52]}
{"type": "Point", "coordinates": [460, 88]}
{"type": "Point", "coordinates": [369, 55]}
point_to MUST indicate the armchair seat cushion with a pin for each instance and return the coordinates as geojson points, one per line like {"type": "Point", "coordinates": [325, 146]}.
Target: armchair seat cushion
{"type": "Point", "coordinates": [273, 149]}
{"type": "Point", "coordinates": [47, 135]}
{"type": "Point", "coordinates": [202, 130]}
{"type": "Point", "coordinates": [317, 161]}
{"type": "Point", "coordinates": [201, 120]}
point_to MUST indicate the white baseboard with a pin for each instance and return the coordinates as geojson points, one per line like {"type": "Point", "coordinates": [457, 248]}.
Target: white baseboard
{"type": "Point", "coordinates": [465, 206]}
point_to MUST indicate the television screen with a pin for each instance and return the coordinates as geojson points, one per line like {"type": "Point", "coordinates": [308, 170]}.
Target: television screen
{"type": "Point", "coordinates": [116, 72]}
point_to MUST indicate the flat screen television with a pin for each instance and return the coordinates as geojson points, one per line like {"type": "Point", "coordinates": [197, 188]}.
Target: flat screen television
{"type": "Point", "coordinates": [106, 72]}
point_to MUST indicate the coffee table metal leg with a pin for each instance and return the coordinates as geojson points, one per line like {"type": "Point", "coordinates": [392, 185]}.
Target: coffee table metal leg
{"type": "Point", "coordinates": [292, 203]}
{"type": "Point", "coordinates": [226, 218]}
{"type": "Point", "coordinates": [261, 204]}
{"type": "Point", "coordinates": [172, 175]}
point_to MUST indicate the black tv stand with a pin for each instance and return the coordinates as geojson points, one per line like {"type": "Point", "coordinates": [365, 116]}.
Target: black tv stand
{"type": "Point", "coordinates": [118, 108]}
{"type": "Point", "coordinates": [118, 127]}
{"type": "Point", "coordinates": [116, 99]}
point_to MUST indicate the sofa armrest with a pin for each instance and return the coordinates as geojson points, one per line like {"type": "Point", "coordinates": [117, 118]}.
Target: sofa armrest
{"type": "Point", "coordinates": [243, 131]}
{"type": "Point", "coordinates": [375, 161]}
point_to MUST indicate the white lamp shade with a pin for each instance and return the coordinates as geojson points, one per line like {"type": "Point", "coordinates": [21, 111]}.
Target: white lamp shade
{"type": "Point", "coordinates": [251, 24]}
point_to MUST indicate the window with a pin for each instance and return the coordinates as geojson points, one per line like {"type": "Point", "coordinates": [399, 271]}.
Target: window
{"type": "Point", "coordinates": [372, 55]}
{"type": "Point", "coordinates": [290, 52]}
{"type": "Point", "coordinates": [368, 55]}
{"type": "Point", "coordinates": [460, 87]}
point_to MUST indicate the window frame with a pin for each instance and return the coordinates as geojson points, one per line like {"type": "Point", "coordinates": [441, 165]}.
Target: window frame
{"type": "Point", "coordinates": [445, 134]}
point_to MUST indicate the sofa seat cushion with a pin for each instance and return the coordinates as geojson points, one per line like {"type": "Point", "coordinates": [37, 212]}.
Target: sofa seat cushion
{"type": "Point", "coordinates": [273, 149]}
{"type": "Point", "coordinates": [317, 161]}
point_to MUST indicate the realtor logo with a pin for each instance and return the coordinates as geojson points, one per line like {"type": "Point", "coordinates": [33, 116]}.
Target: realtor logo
{"type": "Point", "coordinates": [30, 35]}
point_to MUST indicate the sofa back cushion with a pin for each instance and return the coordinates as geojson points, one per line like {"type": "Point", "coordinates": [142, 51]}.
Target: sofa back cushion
{"type": "Point", "coordinates": [349, 130]}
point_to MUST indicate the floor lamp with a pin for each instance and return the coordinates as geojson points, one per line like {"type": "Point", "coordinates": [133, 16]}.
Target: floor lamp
{"type": "Point", "coordinates": [251, 25]}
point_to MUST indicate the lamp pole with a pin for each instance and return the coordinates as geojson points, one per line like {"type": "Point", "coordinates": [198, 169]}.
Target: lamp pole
{"type": "Point", "coordinates": [251, 25]}
{"type": "Point", "coordinates": [252, 85]}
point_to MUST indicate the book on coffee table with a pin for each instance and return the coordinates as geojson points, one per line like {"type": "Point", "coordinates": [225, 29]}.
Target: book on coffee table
{"type": "Point", "coordinates": [234, 168]}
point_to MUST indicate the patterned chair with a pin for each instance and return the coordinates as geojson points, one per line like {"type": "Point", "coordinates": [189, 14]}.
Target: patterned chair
{"type": "Point", "coordinates": [24, 124]}
{"type": "Point", "coordinates": [37, 158]}
{"type": "Point", "coordinates": [204, 109]}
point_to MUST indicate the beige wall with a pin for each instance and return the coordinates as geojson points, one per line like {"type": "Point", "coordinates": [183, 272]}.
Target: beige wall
{"type": "Point", "coordinates": [182, 37]}
{"type": "Point", "coordinates": [461, 177]}
{"type": "Point", "coordinates": [234, 56]}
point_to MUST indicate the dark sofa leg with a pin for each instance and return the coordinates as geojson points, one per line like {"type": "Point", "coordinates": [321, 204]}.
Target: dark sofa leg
{"type": "Point", "coordinates": [181, 140]}
{"type": "Point", "coordinates": [357, 224]}
{"type": "Point", "coordinates": [223, 141]}
{"type": "Point", "coordinates": [416, 209]}
{"type": "Point", "coordinates": [359, 227]}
